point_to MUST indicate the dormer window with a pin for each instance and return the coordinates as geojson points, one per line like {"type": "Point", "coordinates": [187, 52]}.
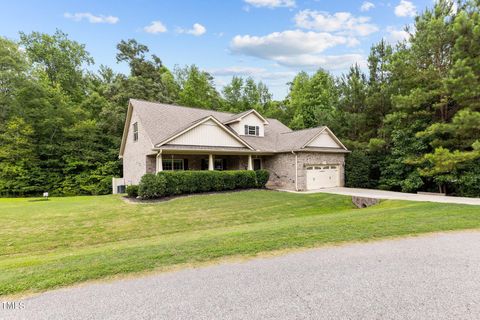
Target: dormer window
{"type": "Point", "coordinates": [252, 130]}
{"type": "Point", "coordinates": [135, 131]}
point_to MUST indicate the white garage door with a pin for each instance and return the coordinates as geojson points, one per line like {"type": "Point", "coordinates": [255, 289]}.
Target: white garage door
{"type": "Point", "coordinates": [322, 176]}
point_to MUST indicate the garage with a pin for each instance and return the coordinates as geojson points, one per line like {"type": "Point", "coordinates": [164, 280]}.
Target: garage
{"type": "Point", "coordinates": [322, 176]}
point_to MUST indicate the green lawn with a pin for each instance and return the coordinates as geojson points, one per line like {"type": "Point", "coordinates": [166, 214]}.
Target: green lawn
{"type": "Point", "coordinates": [47, 244]}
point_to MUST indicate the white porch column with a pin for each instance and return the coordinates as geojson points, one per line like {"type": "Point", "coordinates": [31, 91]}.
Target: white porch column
{"type": "Point", "coordinates": [210, 162]}
{"type": "Point", "coordinates": [250, 162]}
{"type": "Point", "coordinates": [159, 162]}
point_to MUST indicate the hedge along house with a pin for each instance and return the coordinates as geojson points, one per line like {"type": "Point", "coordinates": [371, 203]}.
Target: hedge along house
{"type": "Point", "coordinates": [160, 137]}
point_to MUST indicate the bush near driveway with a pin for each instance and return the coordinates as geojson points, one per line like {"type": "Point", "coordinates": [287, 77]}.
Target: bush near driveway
{"type": "Point", "coordinates": [170, 183]}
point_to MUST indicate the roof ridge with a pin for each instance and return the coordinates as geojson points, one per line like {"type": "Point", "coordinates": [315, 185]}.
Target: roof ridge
{"type": "Point", "coordinates": [180, 106]}
{"type": "Point", "coordinates": [294, 131]}
{"type": "Point", "coordinates": [197, 108]}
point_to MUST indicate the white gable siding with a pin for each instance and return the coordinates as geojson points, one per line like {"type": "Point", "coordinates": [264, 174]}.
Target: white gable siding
{"type": "Point", "coordinates": [324, 140]}
{"type": "Point", "coordinates": [207, 134]}
{"type": "Point", "coordinates": [236, 127]}
{"type": "Point", "coordinates": [250, 120]}
{"type": "Point", "coordinates": [135, 154]}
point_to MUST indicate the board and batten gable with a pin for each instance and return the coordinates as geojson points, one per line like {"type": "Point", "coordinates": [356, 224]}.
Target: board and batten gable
{"type": "Point", "coordinates": [207, 133]}
{"type": "Point", "coordinates": [135, 152]}
{"type": "Point", "coordinates": [324, 140]}
{"type": "Point", "coordinates": [251, 120]}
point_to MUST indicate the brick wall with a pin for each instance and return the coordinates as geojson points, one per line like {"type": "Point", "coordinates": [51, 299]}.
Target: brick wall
{"type": "Point", "coordinates": [282, 168]}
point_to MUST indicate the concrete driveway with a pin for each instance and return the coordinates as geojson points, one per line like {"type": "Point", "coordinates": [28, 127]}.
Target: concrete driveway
{"type": "Point", "coordinates": [429, 277]}
{"type": "Point", "coordinates": [381, 194]}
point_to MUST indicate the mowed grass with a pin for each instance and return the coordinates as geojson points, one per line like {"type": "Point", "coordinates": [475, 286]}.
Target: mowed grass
{"type": "Point", "coordinates": [47, 244]}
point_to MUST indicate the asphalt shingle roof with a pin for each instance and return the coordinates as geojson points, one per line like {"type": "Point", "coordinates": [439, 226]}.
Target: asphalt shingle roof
{"type": "Point", "coordinates": [161, 121]}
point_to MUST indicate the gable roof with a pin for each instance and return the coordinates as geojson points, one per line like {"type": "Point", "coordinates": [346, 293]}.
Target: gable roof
{"type": "Point", "coordinates": [330, 133]}
{"type": "Point", "coordinates": [162, 122]}
{"type": "Point", "coordinates": [295, 140]}
{"type": "Point", "coordinates": [239, 116]}
{"type": "Point", "coordinates": [199, 122]}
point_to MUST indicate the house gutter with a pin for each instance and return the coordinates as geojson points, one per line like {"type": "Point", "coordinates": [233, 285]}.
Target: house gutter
{"type": "Point", "coordinates": [296, 170]}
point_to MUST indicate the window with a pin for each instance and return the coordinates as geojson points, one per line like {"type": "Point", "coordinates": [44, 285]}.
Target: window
{"type": "Point", "coordinates": [135, 131]}
{"type": "Point", "coordinates": [252, 130]}
{"type": "Point", "coordinates": [172, 164]}
{"type": "Point", "coordinates": [218, 164]}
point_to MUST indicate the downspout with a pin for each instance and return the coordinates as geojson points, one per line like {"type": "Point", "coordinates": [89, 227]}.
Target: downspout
{"type": "Point", "coordinates": [296, 171]}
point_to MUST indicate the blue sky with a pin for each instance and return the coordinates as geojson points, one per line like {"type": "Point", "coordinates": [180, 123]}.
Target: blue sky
{"type": "Point", "coordinates": [270, 40]}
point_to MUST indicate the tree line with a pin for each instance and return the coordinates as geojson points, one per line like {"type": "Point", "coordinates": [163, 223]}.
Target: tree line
{"type": "Point", "coordinates": [412, 120]}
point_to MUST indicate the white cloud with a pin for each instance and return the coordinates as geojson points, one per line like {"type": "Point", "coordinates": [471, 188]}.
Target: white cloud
{"type": "Point", "coordinates": [275, 79]}
{"type": "Point", "coordinates": [366, 6]}
{"type": "Point", "coordinates": [196, 30]}
{"type": "Point", "coordinates": [296, 48]}
{"type": "Point", "coordinates": [329, 62]}
{"type": "Point", "coordinates": [396, 35]}
{"type": "Point", "coordinates": [79, 16]}
{"type": "Point", "coordinates": [155, 27]}
{"type": "Point", "coordinates": [340, 22]}
{"type": "Point", "coordinates": [285, 43]}
{"type": "Point", "coordinates": [236, 70]}
{"type": "Point", "coordinates": [271, 3]}
{"type": "Point", "coordinates": [254, 72]}
{"type": "Point", "coordinates": [405, 9]}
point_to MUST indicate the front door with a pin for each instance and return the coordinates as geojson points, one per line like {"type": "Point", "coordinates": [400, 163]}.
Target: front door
{"type": "Point", "coordinates": [257, 164]}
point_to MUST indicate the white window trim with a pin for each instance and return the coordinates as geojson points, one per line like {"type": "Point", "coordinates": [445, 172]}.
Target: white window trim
{"type": "Point", "coordinates": [167, 162]}
{"type": "Point", "coordinates": [135, 131]}
{"type": "Point", "coordinates": [256, 130]}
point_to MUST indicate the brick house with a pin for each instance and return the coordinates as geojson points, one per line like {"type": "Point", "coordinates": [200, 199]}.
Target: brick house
{"type": "Point", "coordinates": [160, 137]}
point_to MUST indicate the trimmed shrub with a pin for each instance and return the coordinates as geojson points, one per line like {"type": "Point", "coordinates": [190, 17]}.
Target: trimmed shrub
{"type": "Point", "coordinates": [262, 178]}
{"type": "Point", "coordinates": [152, 186]}
{"type": "Point", "coordinates": [228, 180]}
{"type": "Point", "coordinates": [245, 179]}
{"type": "Point", "coordinates": [132, 191]}
{"type": "Point", "coordinates": [170, 183]}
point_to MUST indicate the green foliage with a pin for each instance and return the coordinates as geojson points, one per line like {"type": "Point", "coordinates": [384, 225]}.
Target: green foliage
{"type": "Point", "coordinates": [152, 186]}
{"type": "Point", "coordinates": [132, 191]}
{"type": "Point", "coordinates": [17, 158]}
{"type": "Point", "coordinates": [311, 99]}
{"type": "Point", "coordinates": [262, 178]}
{"type": "Point", "coordinates": [414, 118]}
{"type": "Point", "coordinates": [468, 184]}
{"type": "Point", "coordinates": [149, 79]}
{"type": "Point", "coordinates": [357, 170]}
{"type": "Point", "coordinates": [170, 183]}
{"type": "Point", "coordinates": [241, 95]}
{"type": "Point", "coordinates": [60, 58]}
{"type": "Point", "coordinates": [197, 88]}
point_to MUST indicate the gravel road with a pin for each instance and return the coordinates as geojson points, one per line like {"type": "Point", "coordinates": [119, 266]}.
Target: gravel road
{"type": "Point", "coordinates": [428, 277]}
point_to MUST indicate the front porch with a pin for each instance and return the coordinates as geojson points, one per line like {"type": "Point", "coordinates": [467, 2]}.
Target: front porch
{"type": "Point", "coordinates": [207, 161]}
